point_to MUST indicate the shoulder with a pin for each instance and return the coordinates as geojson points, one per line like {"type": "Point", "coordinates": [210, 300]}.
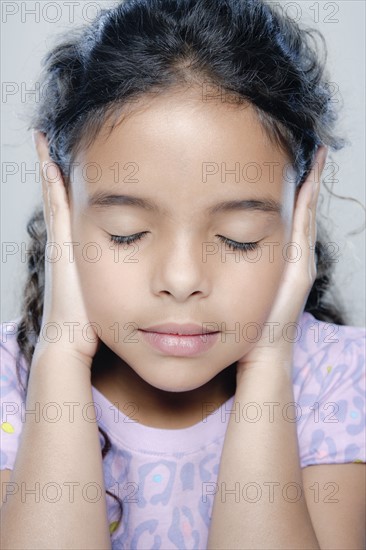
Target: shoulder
{"type": "Point", "coordinates": [12, 394]}
{"type": "Point", "coordinates": [318, 340]}
{"type": "Point", "coordinates": [10, 354]}
{"type": "Point", "coordinates": [327, 356]}
{"type": "Point", "coordinates": [329, 389]}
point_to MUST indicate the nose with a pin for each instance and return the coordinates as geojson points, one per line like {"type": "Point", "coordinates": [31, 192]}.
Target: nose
{"type": "Point", "coordinates": [180, 272]}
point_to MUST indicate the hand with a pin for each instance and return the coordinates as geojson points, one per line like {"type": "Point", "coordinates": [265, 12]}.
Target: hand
{"type": "Point", "coordinates": [63, 302]}
{"type": "Point", "coordinates": [274, 346]}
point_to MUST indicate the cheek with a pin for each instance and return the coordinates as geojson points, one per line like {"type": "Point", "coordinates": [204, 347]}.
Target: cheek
{"type": "Point", "coordinates": [101, 280]}
{"type": "Point", "coordinates": [111, 289]}
{"type": "Point", "coordinates": [254, 282]}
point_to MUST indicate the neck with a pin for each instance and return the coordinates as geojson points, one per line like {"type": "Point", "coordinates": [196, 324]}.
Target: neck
{"type": "Point", "coordinates": [120, 384]}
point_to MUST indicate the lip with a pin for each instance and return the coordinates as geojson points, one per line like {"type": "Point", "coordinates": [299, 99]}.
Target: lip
{"type": "Point", "coordinates": [185, 329]}
{"type": "Point", "coordinates": [183, 345]}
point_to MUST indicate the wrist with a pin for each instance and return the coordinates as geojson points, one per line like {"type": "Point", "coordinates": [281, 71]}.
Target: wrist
{"type": "Point", "coordinates": [270, 371]}
{"type": "Point", "coordinates": [53, 355]}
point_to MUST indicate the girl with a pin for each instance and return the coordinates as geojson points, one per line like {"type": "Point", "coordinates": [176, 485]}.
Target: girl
{"type": "Point", "coordinates": [175, 299]}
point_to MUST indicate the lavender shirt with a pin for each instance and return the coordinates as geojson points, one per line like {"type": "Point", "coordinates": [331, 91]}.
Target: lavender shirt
{"type": "Point", "coordinates": [166, 478]}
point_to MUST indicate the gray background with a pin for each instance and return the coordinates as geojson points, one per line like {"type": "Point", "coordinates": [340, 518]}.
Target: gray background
{"type": "Point", "coordinates": [28, 32]}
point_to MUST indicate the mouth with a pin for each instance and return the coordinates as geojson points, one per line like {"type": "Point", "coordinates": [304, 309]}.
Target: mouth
{"type": "Point", "coordinates": [175, 342]}
{"type": "Point", "coordinates": [187, 329]}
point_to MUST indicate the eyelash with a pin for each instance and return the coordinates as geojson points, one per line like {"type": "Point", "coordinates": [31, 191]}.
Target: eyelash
{"type": "Point", "coordinates": [126, 240]}
{"type": "Point", "coordinates": [234, 245]}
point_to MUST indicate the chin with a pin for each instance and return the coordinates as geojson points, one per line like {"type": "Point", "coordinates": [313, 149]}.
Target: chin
{"type": "Point", "coordinates": [175, 386]}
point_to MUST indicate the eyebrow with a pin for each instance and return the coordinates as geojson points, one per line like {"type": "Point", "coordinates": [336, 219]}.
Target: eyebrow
{"type": "Point", "coordinates": [101, 199]}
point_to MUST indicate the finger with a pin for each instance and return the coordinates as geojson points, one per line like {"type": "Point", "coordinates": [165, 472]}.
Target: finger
{"type": "Point", "coordinates": [56, 204]}
{"type": "Point", "coordinates": [320, 161]}
{"type": "Point", "coordinates": [40, 143]}
{"type": "Point", "coordinates": [311, 247]}
{"type": "Point", "coordinates": [319, 164]}
{"type": "Point", "coordinates": [305, 229]}
{"type": "Point", "coordinates": [317, 169]}
{"type": "Point", "coordinates": [300, 270]}
{"type": "Point", "coordinates": [60, 218]}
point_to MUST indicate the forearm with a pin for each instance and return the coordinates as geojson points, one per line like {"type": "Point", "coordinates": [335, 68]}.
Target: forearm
{"type": "Point", "coordinates": [57, 460]}
{"type": "Point", "coordinates": [263, 454]}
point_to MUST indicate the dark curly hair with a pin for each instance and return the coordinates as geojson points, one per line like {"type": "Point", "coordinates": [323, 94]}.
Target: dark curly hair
{"type": "Point", "coordinates": [248, 48]}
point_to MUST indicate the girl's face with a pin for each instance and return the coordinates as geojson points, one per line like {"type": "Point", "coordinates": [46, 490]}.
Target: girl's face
{"type": "Point", "coordinates": [184, 156]}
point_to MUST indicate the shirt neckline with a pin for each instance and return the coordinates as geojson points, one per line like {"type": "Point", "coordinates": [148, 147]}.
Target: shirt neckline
{"type": "Point", "coordinates": [140, 437]}
{"type": "Point", "coordinates": [146, 439]}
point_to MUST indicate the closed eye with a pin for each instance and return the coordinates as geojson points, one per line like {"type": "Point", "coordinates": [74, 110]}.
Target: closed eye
{"type": "Point", "coordinates": [238, 246]}
{"type": "Point", "coordinates": [120, 239]}
{"type": "Point", "coordinates": [234, 245]}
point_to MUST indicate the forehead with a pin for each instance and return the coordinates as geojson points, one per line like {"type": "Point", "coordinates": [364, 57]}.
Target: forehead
{"type": "Point", "coordinates": [179, 141]}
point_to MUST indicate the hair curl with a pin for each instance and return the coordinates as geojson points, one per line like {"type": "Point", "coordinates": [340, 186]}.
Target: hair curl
{"type": "Point", "coordinates": [247, 48]}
